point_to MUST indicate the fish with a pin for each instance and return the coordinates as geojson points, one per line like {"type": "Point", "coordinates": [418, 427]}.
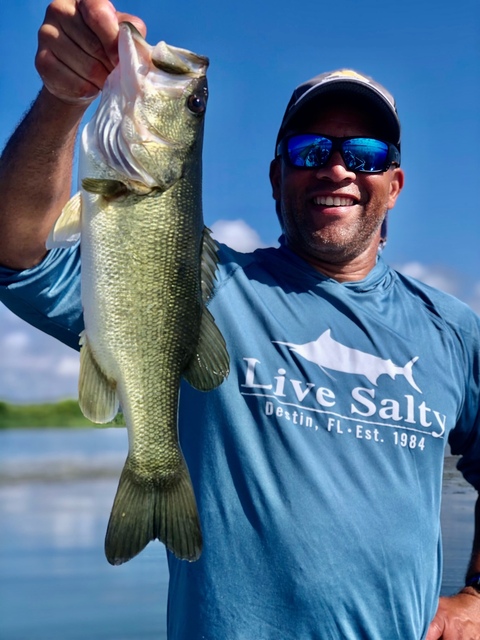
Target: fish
{"type": "Point", "coordinates": [328, 353]}
{"type": "Point", "coordinates": [147, 273]}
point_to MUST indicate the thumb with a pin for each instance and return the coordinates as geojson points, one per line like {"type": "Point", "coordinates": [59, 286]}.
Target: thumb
{"type": "Point", "coordinates": [436, 628]}
{"type": "Point", "coordinates": [137, 22]}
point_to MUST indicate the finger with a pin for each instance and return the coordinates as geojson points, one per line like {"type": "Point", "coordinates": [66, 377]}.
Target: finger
{"type": "Point", "coordinates": [434, 630]}
{"type": "Point", "coordinates": [89, 43]}
{"type": "Point", "coordinates": [63, 82]}
{"type": "Point", "coordinates": [78, 46]}
{"type": "Point", "coordinates": [65, 66]}
{"type": "Point", "coordinates": [101, 17]}
{"type": "Point", "coordinates": [65, 29]}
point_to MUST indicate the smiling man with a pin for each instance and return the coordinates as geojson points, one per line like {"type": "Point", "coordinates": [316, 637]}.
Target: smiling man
{"type": "Point", "coordinates": [317, 465]}
{"type": "Point", "coordinates": [337, 172]}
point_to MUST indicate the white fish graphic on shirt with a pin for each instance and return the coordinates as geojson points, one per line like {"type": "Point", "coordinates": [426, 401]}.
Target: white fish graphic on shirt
{"type": "Point", "coordinates": [327, 353]}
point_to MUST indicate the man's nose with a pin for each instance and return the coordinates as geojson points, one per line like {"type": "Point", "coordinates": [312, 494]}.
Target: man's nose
{"type": "Point", "coordinates": [335, 169]}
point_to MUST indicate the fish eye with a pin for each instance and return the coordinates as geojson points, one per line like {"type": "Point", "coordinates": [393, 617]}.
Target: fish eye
{"type": "Point", "coordinates": [196, 103]}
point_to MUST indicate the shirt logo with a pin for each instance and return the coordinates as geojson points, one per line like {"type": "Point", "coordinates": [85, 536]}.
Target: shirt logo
{"type": "Point", "coordinates": [327, 353]}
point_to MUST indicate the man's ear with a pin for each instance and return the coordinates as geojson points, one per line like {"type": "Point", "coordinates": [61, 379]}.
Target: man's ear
{"type": "Point", "coordinates": [275, 181]}
{"type": "Point", "coordinates": [396, 185]}
{"type": "Point", "coordinates": [275, 178]}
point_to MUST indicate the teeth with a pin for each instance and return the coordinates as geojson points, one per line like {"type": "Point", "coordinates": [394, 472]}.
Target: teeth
{"type": "Point", "coordinates": [337, 201]}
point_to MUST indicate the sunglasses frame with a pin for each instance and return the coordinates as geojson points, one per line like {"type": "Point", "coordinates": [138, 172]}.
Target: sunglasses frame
{"type": "Point", "coordinates": [392, 158]}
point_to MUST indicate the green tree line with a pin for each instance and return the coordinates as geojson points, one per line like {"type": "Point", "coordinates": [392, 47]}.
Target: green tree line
{"type": "Point", "coordinates": [65, 413]}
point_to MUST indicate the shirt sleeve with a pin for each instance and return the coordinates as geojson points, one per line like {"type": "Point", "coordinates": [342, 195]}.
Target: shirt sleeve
{"type": "Point", "coordinates": [464, 439]}
{"type": "Point", "coordinates": [48, 295]}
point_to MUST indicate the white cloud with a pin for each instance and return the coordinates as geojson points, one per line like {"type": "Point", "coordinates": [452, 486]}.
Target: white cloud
{"type": "Point", "coordinates": [474, 298]}
{"type": "Point", "coordinates": [436, 276]}
{"type": "Point", "coordinates": [69, 366]}
{"type": "Point", "coordinates": [236, 234]}
{"type": "Point", "coordinates": [34, 367]}
{"type": "Point", "coordinates": [15, 341]}
{"type": "Point", "coordinates": [459, 285]}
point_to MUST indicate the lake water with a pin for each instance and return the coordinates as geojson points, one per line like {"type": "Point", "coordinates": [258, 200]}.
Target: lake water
{"type": "Point", "coordinates": [56, 491]}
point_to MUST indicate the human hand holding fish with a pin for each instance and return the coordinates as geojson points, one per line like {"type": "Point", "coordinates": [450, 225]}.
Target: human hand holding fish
{"type": "Point", "coordinates": [77, 47]}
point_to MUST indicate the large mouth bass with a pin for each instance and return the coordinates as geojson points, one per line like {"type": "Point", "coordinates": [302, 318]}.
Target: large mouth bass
{"type": "Point", "coordinates": [148, 267]}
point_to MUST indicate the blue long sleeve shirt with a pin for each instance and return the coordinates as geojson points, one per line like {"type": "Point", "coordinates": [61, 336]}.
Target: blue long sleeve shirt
{"type": "Point", "coordinates": [317, 464]}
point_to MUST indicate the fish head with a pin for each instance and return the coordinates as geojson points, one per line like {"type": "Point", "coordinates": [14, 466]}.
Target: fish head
{"type": "Point", "coordinates": [148, 129]}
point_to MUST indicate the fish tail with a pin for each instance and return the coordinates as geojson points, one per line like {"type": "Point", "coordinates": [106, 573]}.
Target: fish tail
{"type": "Point", "coordinates": [144, 510]}
{"type": "Point", "coordinates": [408, 373]}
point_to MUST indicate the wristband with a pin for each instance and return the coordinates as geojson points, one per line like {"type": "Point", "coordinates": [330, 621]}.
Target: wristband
{"type": "Point", "coordinates": [474, 582]}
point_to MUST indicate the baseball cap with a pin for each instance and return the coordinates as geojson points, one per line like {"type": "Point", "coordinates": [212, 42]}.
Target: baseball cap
{"type": "Point", "coordinates": [346, 82]}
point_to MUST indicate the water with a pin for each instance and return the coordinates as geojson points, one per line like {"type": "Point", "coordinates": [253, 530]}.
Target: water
{"type": "Point", "coordinates": [458, 504]}
{"type": "Point", "coordinates": [56, 491]}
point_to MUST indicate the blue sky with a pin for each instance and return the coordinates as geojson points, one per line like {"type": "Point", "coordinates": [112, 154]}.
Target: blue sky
{"type": "Point", "coordinates": [426, 53]}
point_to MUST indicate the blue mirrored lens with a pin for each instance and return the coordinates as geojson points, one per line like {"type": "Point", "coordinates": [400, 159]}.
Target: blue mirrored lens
{"type": "Point", "coordinates": [364, 154]}
{"type": "Point", "coordinates": [309, 151]}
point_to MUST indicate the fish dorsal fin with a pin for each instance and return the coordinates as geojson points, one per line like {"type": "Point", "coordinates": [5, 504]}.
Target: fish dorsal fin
{"type": "Point", "coordinates": [66, 231]}
{"type": "Point", "coordinates": [210, 364]}
{"type": "Point", "coordinates": [97, 396]}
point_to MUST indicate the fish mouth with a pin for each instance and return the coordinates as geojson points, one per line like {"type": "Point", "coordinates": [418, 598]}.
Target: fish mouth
{"type": "Point", "coordinates": [169, 59]}
{"type": "Point", "coordinates": [127, 124]}
{"type": "Point", "coordinates": [178, 61]}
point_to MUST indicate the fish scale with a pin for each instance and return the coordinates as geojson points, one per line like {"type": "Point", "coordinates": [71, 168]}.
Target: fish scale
{"type": "Point", "coordinates": [148, 266]}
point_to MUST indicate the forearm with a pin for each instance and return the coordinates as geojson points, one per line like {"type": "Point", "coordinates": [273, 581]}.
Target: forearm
{"type": "Point", "coordinates": [474, 566]}
{"type": "Point", "coordinates": [35, 178]}
{"type": "Point", "coordinates": [458, 616]}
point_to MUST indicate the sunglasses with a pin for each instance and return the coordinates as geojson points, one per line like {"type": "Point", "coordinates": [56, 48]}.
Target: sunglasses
{"type": "Point", "coordinates": [362, 155]}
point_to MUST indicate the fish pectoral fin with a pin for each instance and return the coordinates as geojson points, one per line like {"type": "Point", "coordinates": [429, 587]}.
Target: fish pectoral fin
{"type": "Point", "coordinates": [66, 230]}
{"type": "Point", "coordinates": [210, 364]}
{"type": "Point", "coordinates": [209, 263]}
{"type": "Point", "coordinates": [97, 396]}
{"type": "Point", "coordinates": [110, 189]}
{"type": "Point", "coordinates": [146, 509]}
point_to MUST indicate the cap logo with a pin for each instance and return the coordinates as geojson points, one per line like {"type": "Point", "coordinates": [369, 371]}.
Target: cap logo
{"type": "Point", "coordinates": [348, 73]}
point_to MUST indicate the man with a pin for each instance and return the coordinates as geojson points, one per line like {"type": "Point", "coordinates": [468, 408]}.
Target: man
{"type": "Point", "coordinates": [317, 465]}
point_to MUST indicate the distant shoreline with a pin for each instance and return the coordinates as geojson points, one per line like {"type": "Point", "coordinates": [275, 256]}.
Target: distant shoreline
{"type": "Point", "coordinates": [62, 414]}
